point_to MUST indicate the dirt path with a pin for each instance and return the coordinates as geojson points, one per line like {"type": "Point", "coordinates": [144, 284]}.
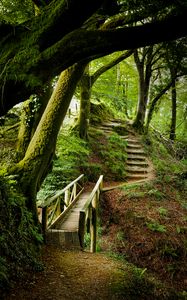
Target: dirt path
{"type": "Point", "coordinates": [72, 275]}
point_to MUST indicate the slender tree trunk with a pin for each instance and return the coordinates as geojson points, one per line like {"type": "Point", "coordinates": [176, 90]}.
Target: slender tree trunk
{"type": "Point", "coordinates": [153, 105]}
{"type": "Point", "coordinates": [25, 129]}
{"type": "Point", "coordinates": [174, 111]}
{"type": "Point", "coordinates": [85, 92]}
{"type": "Point", "coordinates": [118, 79]}
{"type": "Point", "coordinates": [33, 168]}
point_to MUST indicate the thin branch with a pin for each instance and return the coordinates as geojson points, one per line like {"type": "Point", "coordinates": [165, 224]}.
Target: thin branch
{"type": "Point", "coordinates": [108, 66]}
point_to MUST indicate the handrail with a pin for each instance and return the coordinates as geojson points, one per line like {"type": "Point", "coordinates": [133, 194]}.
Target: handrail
{"type": "Point", "coordinates": [59, 193]}
{"type": "Point", "coordinates": [53, 207]}
{"type": "Point", "coordinates": [86, 205]}
{"type": "Point", "coordinates": [88, 216]}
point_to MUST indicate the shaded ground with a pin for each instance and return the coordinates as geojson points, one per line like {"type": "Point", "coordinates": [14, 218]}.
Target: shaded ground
{"type": "Point", "coordinates": [72, 275]}
{"type": "Point", "coordinates": [82, 275]}
{"type": "Point", "coordinates": [147, 225]}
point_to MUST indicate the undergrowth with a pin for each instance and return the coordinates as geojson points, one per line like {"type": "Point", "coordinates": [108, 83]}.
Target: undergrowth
{"type": "Point", "coordinates": [20, 239]}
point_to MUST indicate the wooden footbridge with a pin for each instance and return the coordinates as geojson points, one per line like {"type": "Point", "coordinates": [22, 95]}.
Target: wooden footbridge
{"type": "Point", "coordinates": [69, 214]}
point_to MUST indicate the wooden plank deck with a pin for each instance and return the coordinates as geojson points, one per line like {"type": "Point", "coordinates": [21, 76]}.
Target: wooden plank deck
{"type": "Point", "coordinates": [65, 232]}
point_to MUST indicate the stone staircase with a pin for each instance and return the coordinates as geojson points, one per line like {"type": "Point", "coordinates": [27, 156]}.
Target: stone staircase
{"type": "Point", "coordinates": [138, 165]}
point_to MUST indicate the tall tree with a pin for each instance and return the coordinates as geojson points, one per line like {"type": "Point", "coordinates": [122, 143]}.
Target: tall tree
{"type": "Point", "coordinates": [144, 61]}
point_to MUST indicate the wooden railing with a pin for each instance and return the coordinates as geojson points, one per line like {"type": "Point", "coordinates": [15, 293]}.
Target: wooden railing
{"type": "Point", "coordinates": [53, 206]}
{"type": "Point", "coordinates": [88, 216]}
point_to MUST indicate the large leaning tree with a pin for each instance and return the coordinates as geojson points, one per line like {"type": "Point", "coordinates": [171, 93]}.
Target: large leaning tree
{"type": "Point", "coordinates": [65, 32]}
{"type": "Point", "coordinates": [61, 38]}
{"type": "Point", "coordinates": [56, 38]}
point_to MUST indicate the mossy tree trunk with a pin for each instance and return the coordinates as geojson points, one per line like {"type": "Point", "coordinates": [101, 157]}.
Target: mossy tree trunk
{"type": "Point", "coordinates": [32, 111]}
{"type": "Point", "coordinates": [25, 129]}
{"type": "Point", "coordinates": [36, 163]}
{"type": "Point", "coordinates": [144, 67]}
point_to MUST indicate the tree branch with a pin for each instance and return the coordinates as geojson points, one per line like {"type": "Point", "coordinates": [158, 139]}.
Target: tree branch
{"type": "Point", "coordinates": [108, 66]}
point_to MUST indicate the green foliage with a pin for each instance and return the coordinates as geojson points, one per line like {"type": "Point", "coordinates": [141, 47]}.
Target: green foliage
{"type": "Point", "coordinates": [167, 249]}
{"type": "Point", "coordinates": [156, 193]}
{"type": "Point", "coordinates": [155, 226]}
{"type": "Point", "coordinates": [71, 160]}
{"type": "Point", "coordinates": [118, 87]}
{"type": "Point", "coordinates": [3, 271]}
{"type": "Point", "coordinates": [162, 211]}
{"type": "Point", "coordinates": [113, 155]}
{"type": "Point", "coordinates": [167, 167]}
{"type": "Point", "coordinates": [99, 112]}
{"type": "Point", "coordinates": [135, 194]}
{"type": "Point", "coordinates": [16, 12]}
{"type": "Point", "coordinates": [19, 237]}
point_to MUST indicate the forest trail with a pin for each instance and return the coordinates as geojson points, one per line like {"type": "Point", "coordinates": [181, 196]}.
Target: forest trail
{"type": "Point", "coordinates": [72, 275]}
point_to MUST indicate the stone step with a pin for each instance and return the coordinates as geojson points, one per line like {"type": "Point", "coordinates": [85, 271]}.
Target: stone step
{"type": "Point", "coordinates": [130, 139]}
{"type": "Point", "coordinates": [136, 169]}
{"type": "Point", "coordinates": [137, 157]}
{"type": "Point", "coordinates": [136, 176]}
{"type": "Point", "coordinates": [133, 162]}
{"type": "Point", "coordinates": [134, 146]}
{"type": "Point", "coordinates": [135, 151]}
{"type": "Point", "coordinates": [133, 141]}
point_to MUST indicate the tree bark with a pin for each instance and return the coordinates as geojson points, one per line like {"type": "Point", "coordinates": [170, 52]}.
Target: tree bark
{"type": "Point", "coordinates": [33, 168]}
{"type": "Point", "coordinates": [31, 115]}
{"type": "Point", "coordinates": [144, 72]}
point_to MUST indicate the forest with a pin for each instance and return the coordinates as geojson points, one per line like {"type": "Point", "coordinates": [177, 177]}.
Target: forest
{"type": "Point", "coordinates": [99, 88]}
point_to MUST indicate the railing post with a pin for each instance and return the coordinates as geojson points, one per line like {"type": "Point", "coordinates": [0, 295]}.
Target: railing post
{"type": "Point", "coordinates": [58, 209]}
{"type": "Point", "coordinates": [67, 198]}
{"type": "Point", "coordinates": [82, 218]}
{"type": "Point", "coordinates": [44, 222]}
{"type": "Point", "coordinates": [93, 225]}
{"type": "Point", "coordinates": [74, 190]}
